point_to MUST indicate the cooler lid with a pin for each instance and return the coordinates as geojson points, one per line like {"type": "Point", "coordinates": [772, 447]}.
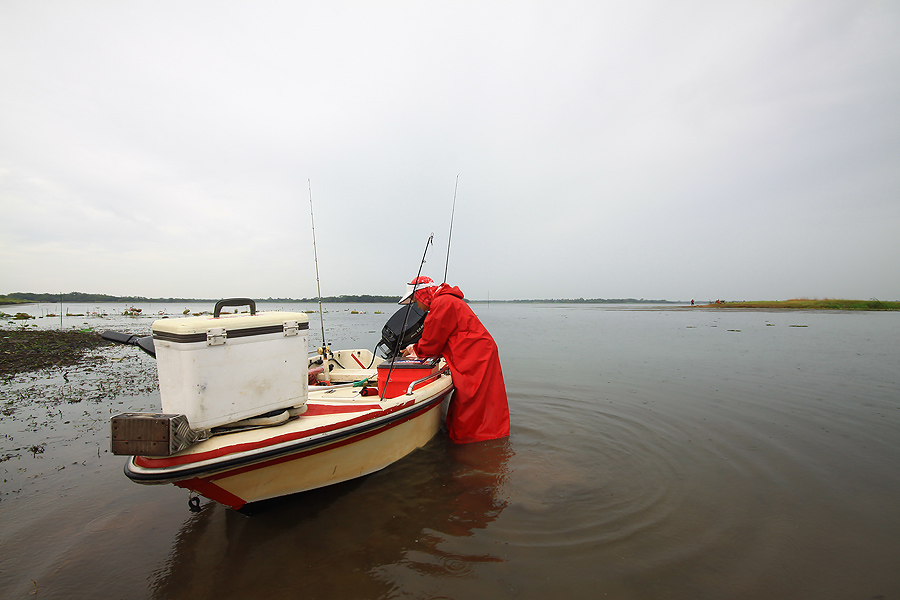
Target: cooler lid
{"type": "Point", "coordinates": [195, 329]}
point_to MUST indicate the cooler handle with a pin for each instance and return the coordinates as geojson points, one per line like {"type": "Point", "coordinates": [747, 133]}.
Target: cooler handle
{"type": "Point", "coordinates": [234, 302]}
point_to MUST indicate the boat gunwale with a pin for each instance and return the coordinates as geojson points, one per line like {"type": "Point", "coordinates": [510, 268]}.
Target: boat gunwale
{"type": "Point", "coordinates": [215, 465]}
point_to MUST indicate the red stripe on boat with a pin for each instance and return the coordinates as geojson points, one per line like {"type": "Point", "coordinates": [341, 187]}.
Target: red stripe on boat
{"type": "Point", "coordinates": [212, 491]}
{"type": "Point", "coordinates": [315, 410]}
{"type": "Point", "coordinates": [311, 451]}
{"type": "Point", "coordinates": [172, 461]}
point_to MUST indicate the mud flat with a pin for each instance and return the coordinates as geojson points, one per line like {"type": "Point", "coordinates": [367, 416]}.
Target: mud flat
{"type": "Point", "coordinates": [63, 499]}
{"type": "Point", "coordinates": [806, 304]}
{"type": "Point", "coordinates": [24, 350]}
{"type": "Point", "coordinates": [58, 388]}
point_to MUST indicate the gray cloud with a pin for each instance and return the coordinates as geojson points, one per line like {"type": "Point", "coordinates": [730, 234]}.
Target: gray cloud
{"type": "Point", "coordinates": [604, 150]}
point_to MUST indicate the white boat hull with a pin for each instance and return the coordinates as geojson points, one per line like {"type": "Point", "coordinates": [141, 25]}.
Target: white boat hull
{"type": "Point", "coordinates": [340, 438]}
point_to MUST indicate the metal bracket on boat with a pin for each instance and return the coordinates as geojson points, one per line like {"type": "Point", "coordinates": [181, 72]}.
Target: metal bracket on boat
{"type": "Point", "coordinates": [216, 336]}
{"type": "Point", "coordinates": [152, 434]}
{"type": "Point", "coordinates": [409, 390]}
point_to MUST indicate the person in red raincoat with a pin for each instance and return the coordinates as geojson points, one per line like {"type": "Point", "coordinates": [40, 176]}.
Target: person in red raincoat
{"type": "Point", "coordinates": [479, 409]}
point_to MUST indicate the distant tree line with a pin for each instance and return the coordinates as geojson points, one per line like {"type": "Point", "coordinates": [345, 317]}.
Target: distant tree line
{"type": "Point", "coordinates": [362, 298]}
{"type": "Point", "coordinates": [589, 301]}
{"type": "Point", "coordinates": [71, 297]}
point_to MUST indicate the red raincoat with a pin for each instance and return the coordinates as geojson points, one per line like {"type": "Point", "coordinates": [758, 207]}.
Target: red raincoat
{"type": "Point", "coordinates": [479, 410]}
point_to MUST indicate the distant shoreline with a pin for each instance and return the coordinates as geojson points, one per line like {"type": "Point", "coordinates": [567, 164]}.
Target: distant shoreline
{"type": "Point", "coordinates": [827, 304]}
{"type": "Point", "coordinates": [81, 298]}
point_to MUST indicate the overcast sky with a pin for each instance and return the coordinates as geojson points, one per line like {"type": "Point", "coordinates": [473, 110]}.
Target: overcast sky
{"type": "Point", "coordinates": [657, 149]}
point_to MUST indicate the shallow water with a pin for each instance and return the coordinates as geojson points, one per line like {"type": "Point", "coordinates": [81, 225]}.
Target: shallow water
{"type": "Point", "coordinates": [670, 452]}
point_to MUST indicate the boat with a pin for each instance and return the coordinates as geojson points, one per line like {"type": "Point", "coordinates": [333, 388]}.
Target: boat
{"type": "Point", "coordinates": [337, 415]}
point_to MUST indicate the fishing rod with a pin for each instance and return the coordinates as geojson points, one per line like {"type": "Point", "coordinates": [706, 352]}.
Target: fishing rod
{"type": "Point", "coordinates": [415, 284]}
{"type": "Point", "coordinates": [450, 235]}
{"type": "Point", "coordinates": [430, 242]}
{"type": "Point", "coordinates": [316, 260]}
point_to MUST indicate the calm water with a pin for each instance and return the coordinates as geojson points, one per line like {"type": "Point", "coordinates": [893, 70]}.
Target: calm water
{"type": "Point", "coordinates": [655, 453]}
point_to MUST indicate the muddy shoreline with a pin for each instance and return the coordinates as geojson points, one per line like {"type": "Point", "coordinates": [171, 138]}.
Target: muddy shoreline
{"type": "Point", "coordinates": [58, 389]}
{"type": "Point", "coordinates": [25, 350]}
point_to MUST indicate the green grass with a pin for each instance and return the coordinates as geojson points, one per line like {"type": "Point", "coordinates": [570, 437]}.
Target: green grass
{"type": "Point", "coordinates": [805, 303]}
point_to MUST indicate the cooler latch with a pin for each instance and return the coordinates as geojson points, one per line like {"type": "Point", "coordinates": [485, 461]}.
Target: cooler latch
{"type": "Point", "coordinates": [216, 336]}
{"type": "Point", "coordinates": [291, 328]}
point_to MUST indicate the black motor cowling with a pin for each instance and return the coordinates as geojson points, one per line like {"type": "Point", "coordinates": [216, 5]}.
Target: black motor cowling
{"type": "Point", "coordinates": [395, 336]}
{"type": "Point", "coordinates": [144, 343]}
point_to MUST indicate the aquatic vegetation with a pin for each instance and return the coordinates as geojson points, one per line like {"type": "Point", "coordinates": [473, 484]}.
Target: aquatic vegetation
{"type": "Point", "coordinates": [36, 449]}
{"type": "Point", "coordinates": [806, 303]}
{"type": "Point", "coordinates": [30, 349]}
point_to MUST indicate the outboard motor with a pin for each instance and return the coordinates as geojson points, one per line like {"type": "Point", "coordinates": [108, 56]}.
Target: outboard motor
{"type": "Point", "coordinates": [395, 337]}
{"type": "Point", "coordinates": [144, 343]}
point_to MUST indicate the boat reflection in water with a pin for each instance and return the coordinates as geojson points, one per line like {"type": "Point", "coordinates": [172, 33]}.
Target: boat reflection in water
{"type": "Point", "coordinates": [344, 541]}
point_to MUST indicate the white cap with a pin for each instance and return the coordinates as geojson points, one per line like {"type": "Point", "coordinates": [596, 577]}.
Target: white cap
{"type": "Point", "coordinates": [415, 285]}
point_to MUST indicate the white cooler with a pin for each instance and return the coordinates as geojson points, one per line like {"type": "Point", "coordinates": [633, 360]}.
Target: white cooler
{"type": "Point", "coordinates": [219, 370]}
